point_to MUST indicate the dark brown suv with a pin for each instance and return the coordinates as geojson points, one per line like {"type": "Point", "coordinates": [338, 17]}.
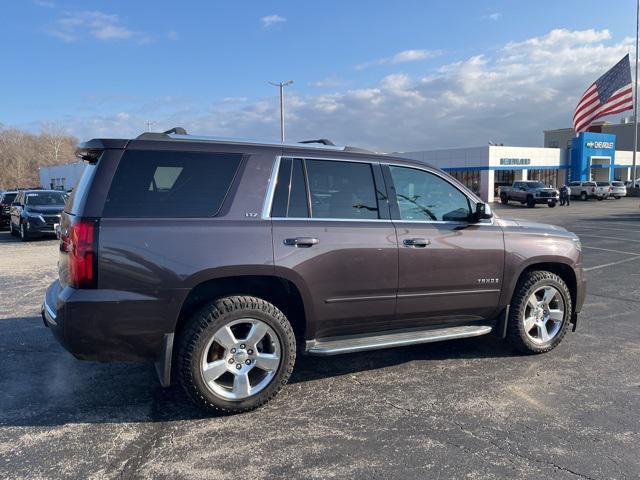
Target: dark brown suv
{"type": "Point", "coordinates": [218, 260]}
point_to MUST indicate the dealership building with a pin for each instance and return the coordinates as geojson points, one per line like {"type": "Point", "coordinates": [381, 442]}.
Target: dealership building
{"type": "Point", "coordinates": [589, 156]}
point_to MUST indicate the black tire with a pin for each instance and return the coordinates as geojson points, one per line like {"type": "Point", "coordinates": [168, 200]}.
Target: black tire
{"type": "Point", "coordinates": [583, 196]}
{"type": "Point", "coordinates": [24, 235]}
{"type": "Point", "coordinates": [551, 204]}
{"type": "Point", "coordinates": [528, 283]}
{"type": "Point", "coordinates": [600, 198]}
{"type": "Point", "coordinates": [199, 331]}
{"type": "Point", "coordinates": [617, 198]}
{"type": "Point", "coordinates": [531, 202]}
{"type": "Point", "coordinates": [504, 199]}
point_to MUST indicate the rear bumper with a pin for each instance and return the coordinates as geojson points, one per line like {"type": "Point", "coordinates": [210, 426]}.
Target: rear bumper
{"type": "Point", "coordinates": [108, 325]}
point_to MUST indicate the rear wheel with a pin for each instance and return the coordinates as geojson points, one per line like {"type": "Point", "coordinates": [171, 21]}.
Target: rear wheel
{"type": "Point", "coordinates": [600, 198]}
{"type": "Point", "coordinates": [540, 312]}
{"type": "Point", "coordinates": [236, 354]}
{"type": "Point", "coordinates": [617, 197]}
{"type": "Point", "coordinates": [531, 202]}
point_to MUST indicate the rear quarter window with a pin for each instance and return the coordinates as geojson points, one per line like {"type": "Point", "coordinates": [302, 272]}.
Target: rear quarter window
{"type": "Point", "coordinates": [78, 196]}
{"type": "Point", "coordinates": [152, 184]}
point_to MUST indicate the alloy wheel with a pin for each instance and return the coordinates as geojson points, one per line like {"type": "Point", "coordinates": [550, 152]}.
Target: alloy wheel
{"type": "Point", "coordinates": [543, 314]}
{"type": "Point", "coordinates": [241, 359]}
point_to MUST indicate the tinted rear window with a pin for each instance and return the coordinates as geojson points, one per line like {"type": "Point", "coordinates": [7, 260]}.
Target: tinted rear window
{"type": "Point", "coordinates": [79, 193]}
{"type": "Point", "coordinates": [8, 198]}
{"type": "Point", "coordinates": [603, 184]}
{"type": "Point", "coordinates": [618, 184]}
{"type": "Point", "coordinates": [170, 184]}
{"type": "Point", "coordinates": [589, 184]}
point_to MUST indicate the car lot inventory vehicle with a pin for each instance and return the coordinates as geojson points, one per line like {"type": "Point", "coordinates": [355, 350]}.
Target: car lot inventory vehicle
{"type": "Point", "coordinates": [586, 190]}
{"type": "Point", "coordinates": [618, 190]}
{"type": "Point", "coordinates": [6, 199]}
{"type": "Point", "coordinates": [603, 190]}
{"type": "Point", "coordinates": [219, 260]}
{"type": "Point", "coordinates": [529, 192]}
{"type": "Point", "coordinates": [36, 213]}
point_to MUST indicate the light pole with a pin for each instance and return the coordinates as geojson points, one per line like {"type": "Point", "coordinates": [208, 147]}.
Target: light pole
{"type": "Point", "coordinates": [281, 86]}
{"type": "Point", "coordinates": [149, 123]}
{"type": "Point", "coordinates": [635, 101]}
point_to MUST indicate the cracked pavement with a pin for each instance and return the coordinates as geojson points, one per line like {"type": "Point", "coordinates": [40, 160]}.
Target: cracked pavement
{"type": "Point", "coordinates": [469, 408]}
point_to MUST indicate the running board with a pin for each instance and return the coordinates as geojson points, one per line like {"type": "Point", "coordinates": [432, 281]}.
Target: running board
{"type": "Point", "coordinates": [338, 345]}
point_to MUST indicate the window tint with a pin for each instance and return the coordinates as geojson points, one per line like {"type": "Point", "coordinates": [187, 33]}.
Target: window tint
{"type": "Point", "coordinates": [341, 190]}
{"type": "Point", "coordinates": [618, 184]}
{"type": "Point", "coordinates": [45, 199]}
{"type": "Point", "coordinates": [425, 196]}
{"type": "Point", "coordinates": [574, 184]}
{"type": "Point", "coordinates": [290, 196]}
{"type": "Point", "coordinates": [603, 184]}
{"type": "Point", "coordinates": [79, 193]}
{"type": "Point", "coordinates": [7, 198]}
{"type": "Point", "coordinates": [170, 184]}
{"type": "Point", "coordinates": [589, 184]}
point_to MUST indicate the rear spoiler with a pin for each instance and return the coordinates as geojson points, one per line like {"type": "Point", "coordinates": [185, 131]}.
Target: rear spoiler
{"type": "Point", "coordinates": [90, 151]}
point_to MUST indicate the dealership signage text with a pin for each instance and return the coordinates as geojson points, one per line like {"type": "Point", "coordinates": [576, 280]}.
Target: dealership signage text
{"type": "Point", "coordinates": [515, 161]}
{"type": "Point", "coordinates": [592, 144]}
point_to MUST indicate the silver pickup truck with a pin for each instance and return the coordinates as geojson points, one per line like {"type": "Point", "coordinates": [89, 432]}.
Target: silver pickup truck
{"type": "Point", "coordinates": [529, 192]}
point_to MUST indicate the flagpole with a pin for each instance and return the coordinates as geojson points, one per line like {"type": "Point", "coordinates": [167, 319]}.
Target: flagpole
{"type": "Point", "coordinates": [635, 100]}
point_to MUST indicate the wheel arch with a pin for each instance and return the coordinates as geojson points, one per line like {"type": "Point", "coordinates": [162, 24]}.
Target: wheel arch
{"type": "Point", "coordinates": [562, 269]}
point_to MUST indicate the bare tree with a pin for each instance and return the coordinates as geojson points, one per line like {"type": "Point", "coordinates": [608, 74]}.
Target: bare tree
{"type": "Point", "coordinates": [23, 153]}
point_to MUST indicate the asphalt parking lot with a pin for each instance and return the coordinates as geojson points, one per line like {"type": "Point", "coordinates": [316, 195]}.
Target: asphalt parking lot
{"type": "Point", "coordinates": [468, 408]}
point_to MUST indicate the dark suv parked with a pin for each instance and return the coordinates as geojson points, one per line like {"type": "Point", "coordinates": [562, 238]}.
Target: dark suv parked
{"type": "Point", "coordinates": [35, 213]}
{"type": "Point", "coordinates": [6, 199]}
{"type": "Point", "coordinates": [218, 260]}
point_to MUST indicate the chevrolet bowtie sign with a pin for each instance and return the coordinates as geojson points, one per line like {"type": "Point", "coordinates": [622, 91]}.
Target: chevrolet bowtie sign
{"type": "Point", "coordinates": [592, 144]}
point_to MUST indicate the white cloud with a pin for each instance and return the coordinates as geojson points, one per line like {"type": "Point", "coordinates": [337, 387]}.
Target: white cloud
{"type": "Point", "coordinates": [329, 82]}
{"type": "Point", "coordinates": [271, 20]}
{"type": "Point", "coordinates": [101, 26]}
{"type": "Point", "coordinates": [173, 35]}
{"type": "Point", "coordinates": [401, 57]}
{"type": "Point", "coordinates": [508, 97]}
{"type": "Point", "coordinates": [492, 16]}
{"type": "Point", "coordinates": [44, 3]}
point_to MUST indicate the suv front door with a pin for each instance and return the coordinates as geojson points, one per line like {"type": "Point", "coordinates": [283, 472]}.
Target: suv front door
{"type": "Point", "coordinates": [450, 270]}
{"type": "Point", "coordinates": [332, 232]}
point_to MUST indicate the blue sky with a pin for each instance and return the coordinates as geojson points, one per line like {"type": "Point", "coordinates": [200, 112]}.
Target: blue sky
{"type": "Point", "coordinates": [390, 75]}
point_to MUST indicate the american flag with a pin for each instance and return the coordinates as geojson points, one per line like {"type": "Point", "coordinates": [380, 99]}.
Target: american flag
{"type": "Point", "coordinates": [611, 93]}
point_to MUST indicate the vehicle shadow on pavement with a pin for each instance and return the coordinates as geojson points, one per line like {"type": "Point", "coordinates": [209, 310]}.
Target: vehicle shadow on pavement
{"type": "Point", "coordinates": [43, 385]}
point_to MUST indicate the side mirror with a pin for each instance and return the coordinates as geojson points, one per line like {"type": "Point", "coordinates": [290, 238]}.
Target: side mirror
{"type": "Point", "coordinates": [483, 211]}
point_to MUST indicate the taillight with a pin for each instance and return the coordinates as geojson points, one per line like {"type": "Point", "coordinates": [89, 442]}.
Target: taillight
{"type": "Point", "coordinates": [80, 243]}
{"type": "Point", "coordinates": [593, 189]}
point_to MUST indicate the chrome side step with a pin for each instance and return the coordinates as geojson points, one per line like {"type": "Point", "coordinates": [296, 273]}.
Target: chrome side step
{"type": "Point", "coordinates": [338, 345]}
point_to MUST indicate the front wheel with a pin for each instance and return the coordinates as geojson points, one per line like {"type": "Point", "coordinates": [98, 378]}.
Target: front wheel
{"type": "Point", "coordinates": [504, 199]}
{"type": "Point", "coordinates": [531, 202]}
{"type": "Point", "coordinates": [540, 312]}
{"type": "Point", "coordinates": [583, 196]}
{"type": "Point", "coordinates": [236, 354]}
{"type": "Point", "coordinates": [551, 204]}
{"type": "Point", "coordinates": [617, 197]}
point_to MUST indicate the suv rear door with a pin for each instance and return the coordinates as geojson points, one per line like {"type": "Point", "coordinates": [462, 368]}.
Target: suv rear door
{"type": "Point", "coordinates": [450, 270]}
{"type": "Point", "coordinates": [331, 228]}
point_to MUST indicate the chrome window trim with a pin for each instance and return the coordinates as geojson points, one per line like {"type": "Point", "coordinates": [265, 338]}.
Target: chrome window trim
{"type": "Point", "coordinates": [273, 180]}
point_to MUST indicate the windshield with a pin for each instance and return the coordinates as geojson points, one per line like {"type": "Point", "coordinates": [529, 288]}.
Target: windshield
{"type": "Point", "coordinates": [46, 198]}
{"type": "Point", "coordinates": [535, 185]}
{"type": "Point", "coordinates": [8, 197]}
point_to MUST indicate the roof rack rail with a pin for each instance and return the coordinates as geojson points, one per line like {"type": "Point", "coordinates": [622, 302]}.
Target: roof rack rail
{"type": "Point", "coordinates": [179, 133]}
{"type": "Point", "coordinates": [323, 141]}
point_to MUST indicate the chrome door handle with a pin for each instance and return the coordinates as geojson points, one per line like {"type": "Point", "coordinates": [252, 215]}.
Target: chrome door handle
{"type": "Point", "coordinates": [416, 242]}
{"type": "Point", "coordinates": [301, 242]}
